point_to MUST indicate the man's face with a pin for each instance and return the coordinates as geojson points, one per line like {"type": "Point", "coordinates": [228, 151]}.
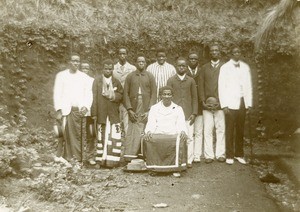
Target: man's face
{"type": "Point", "coordinates": [122, 55]}
{"type": "Point", "coordinates": [161, 58]}
{"type": "Point", "coordinates": [85, 68]}
{"type": "Point", "coordinates": [214, 52]}
{"type": "Point", "coordinates": [108, 69]}
{"type": "Point", "coordinates": [181, 67]}
{"type": "Point", "coordinates": [236, 54]}
{"type": "Point", "coordinates": [166, 97]}
{"type": "Point", "coordinates": [74, 62]}
{"type": "Point", "coordinates": [193, 60]}
{"type": "Point", "coordinates": [141, 63]}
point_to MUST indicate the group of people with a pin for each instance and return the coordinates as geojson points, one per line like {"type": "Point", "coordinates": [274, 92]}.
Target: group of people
{"type": "Point", "coordinates": [169, 115]}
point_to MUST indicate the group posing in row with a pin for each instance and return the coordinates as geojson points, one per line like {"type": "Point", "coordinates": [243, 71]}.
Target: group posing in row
{"type": "Point", "coordinates": [166, 114]}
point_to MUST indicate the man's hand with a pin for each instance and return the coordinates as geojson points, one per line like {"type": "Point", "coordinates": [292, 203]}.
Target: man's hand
{"type": "Point", "coordinates": [183, 136]}
{"type": "Point", "coordinates": [58, 115]}
{"type": "Point", "coordinates": [144, 116]}
{"type": "Point", "coordinates": [192, 119]}
{"type": "Point", "coordinates": [94, 117]}
{"type": "Point", "coordinates": [132, 116]}
{"type": "Point", "coordinates": [83, 111]}
{"type": "Point", "coordinates": [226, 110]}
{"type": "Point", "coordinates": [148, 136]}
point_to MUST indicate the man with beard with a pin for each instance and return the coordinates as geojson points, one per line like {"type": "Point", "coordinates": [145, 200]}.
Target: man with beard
{"type": "Point", "coordinates": [139, 96]}
{"type": "Point", "coordinates": [161, 70]}
{"type": "Point", "coordinates": [194, 72]}
{"type": "Point", "coordinates": [121, 70]}
{"type": "Point", "coordinates": [71, 102]}
{"type": "Point", "coordinates": [185, 95]}
{"type": "Point", "coordinates": [235, 92]}
{"type": "Point", "coordinates": [213, 115]}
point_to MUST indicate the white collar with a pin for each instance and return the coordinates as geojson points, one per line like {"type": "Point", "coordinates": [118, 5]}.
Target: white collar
{"type": "Point", "coordinates": [107, 80]}
{"type": "Point", "coordinates": [181, 77]}
{"type": "Point", "coordinates": [215, 63]}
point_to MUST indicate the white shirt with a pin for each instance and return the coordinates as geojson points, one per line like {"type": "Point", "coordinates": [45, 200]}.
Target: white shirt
{"type": "Point", "coordinates": [181, 77]}
{"type": "Point", "coordinates": [193, 71]}
{"type": "Point", "coordinates": [166, 120]}
{"type": "Point", "coordinates": [235, 83]}
{"type": "Point", "coordinates": [71, 90]}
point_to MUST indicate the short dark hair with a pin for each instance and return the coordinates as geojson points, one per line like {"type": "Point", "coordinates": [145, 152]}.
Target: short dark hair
{"type": "Point", "coordinates": [181, 58]}
{"type": "Point", "coordinates": [214, 44]}
{"type": "Point", "coordinates": [140, 55]}
{"type": "Point", "coordinates": [107, 62]}
{"type": "Point", "coordinates": [161, 49]}
{"type": "Point", "coordinates": [164, 88]}
{"type": "Point", "coordinates": [193, 52]}
{"type": "Point", "coordinates": [74, 54]}
{"type": "Point", "coordinates": [85, 61]}
{"type": "Point", "coordinates": [234, 46]}
{"type": "Point", "coordinates": [122, 47]}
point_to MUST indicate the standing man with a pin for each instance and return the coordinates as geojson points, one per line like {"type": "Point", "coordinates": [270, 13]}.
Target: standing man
{"type": "Point", "coordinates": [235, 92]}
{"type": "Point", "coordinates": [194, 72]}
{"type": "Point", "coordinates": [161, 70]}
{"type": "Point", "coordinates": [107, 96]}
{"type": "Point", "coordinates": [90, 140]}
{"type": "Point", "coordinates": [139, 96]}
{"type": "Point", "coordinates": [71, 102]}
{"type": "Point", "coordinates": [213, 115]}
{"type": "Point", "coordinates": [185, 95]}
{"type": "Point", "coordinates": [121, 70]}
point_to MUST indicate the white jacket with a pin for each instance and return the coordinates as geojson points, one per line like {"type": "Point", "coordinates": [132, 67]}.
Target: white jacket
{"type": "Point", "coordinates": [72, 90]}
{"type": "Point", "coordinates": [235, 83]}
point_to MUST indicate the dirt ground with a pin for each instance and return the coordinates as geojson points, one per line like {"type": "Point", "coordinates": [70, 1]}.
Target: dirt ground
{"type": "Point", "coordinates": [205, 187]}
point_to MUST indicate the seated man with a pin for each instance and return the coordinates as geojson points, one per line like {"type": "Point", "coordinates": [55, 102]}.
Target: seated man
{"type": "Point", "coordinates": [164, 143]}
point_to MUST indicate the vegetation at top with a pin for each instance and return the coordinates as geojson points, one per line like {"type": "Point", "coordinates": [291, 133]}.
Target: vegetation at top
{"type": "Point", "coordinates": [146, 23]}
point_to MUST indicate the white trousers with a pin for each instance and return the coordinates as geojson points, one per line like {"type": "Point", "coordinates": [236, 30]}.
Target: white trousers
{"type": "Point", "coordinates": [198, 136]}
{"type": "Point", "coordinates": [214, 121]}
{"type": "Point", "coordinates": [190, 141]}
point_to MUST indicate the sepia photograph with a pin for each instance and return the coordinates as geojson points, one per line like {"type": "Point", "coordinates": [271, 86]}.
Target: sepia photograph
{"type": "Point", "coordinates": [149, 105]}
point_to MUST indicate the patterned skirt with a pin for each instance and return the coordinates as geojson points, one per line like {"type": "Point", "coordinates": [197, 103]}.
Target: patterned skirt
{"type": "Point", "coordinates": [108, 144]}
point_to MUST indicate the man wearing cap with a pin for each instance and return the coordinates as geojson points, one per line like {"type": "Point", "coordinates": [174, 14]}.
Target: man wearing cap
{"type": "Point", "coordinates": [235, 93]}
{"type": "Point", "coordinates": [71, 102]}
{"type": "Point", "coordinates": [213, 115]}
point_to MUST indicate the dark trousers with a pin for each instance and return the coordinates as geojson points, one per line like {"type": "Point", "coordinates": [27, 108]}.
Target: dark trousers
{"type": "Point", "coordinates": [235, 121]}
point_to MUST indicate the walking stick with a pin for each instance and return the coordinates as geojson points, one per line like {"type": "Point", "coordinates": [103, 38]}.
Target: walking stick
{"type": "Point", "coordinates": [81, 141]}
{"type": "Point", "coordinates": [250, 137]}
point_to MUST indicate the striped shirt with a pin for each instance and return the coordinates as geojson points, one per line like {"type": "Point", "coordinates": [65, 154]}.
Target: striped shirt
{"type": "Point", "coordinates": [161, 74]}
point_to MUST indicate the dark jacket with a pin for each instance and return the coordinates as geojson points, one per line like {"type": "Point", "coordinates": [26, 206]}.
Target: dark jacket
{"type": "Point", "coordinates": [208, 83]}
{"type": "Point", "coordinates": [197, 80]}
{"type": "Point", "coordinates": [103, 107]}
{"type": "Point", "coordinates": [133, 81]}
{"type": "Point", "coordinates": [185, 94]}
